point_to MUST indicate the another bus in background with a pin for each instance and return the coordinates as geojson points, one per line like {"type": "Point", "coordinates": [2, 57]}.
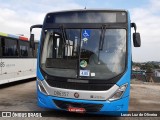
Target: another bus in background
{"type": "Point", "coordinates": [17, 59]}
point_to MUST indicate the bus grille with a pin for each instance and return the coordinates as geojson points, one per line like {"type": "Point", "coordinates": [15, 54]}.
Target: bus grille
{"type": "Point", "coordinates": [79, 86]}
{"type": "Point", "coordinates": [88, 107]}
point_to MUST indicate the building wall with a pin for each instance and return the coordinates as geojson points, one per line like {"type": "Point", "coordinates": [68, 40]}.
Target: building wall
{"type": "Point", "coordinates": [157, 74]}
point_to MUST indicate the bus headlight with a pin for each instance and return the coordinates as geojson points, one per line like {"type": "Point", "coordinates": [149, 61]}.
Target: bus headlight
{"type": "Point", "coordinates": [119, 93]}
{"type": "Point", "coordinates": [41, 87]}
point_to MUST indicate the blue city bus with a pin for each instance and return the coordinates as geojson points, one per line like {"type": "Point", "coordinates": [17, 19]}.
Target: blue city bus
{"type": "Point", "coordinates": [84, 61]}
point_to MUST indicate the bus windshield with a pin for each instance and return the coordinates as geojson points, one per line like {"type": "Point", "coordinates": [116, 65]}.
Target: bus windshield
{"type": "Point", "coordinates": [83, 53]}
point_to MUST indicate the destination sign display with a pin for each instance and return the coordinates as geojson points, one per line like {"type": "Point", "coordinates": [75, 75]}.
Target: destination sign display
{"type": "Point", "coordinates": [87, 17]}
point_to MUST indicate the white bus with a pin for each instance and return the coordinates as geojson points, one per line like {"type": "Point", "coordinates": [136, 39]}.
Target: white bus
{"type": "Point", "coordinates": [17, 59]}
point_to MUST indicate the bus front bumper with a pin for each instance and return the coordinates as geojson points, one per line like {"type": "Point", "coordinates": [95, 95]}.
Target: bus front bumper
{"type": "Point", "coordinates": [104, 107]}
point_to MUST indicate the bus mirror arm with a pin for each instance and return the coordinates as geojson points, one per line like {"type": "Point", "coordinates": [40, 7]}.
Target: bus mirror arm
{"type": "Point", "coordinates": [32, 35]}
{"type": "Point", "coordinates": [134, 26]}
{"type": "Point", "coordinates": [35, 26]}
{"type": "Point", "coordinates": [136, 36]}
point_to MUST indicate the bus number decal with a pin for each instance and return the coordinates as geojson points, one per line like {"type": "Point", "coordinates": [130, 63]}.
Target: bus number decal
{"type": "Point", "coordinates": [61, 94]}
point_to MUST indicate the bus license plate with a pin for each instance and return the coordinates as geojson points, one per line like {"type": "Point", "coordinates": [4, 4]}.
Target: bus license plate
{"type": "Point", "coordinates": [77, 110]}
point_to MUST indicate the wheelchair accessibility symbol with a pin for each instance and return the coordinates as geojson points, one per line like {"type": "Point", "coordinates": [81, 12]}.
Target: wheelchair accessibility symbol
{"type": "Point", "coordinates": [86, 33]}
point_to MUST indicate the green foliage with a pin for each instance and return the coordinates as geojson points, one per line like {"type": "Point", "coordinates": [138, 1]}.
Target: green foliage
{"type": "Point", "coordinates": [148, 66]}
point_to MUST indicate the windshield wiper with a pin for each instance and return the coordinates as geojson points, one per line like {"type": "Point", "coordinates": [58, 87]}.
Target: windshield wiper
{"type": "Point", "coordinates": [101, 41]}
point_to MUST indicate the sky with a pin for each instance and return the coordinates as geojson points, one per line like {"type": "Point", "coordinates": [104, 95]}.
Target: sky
{"type": "Point", "coordinates": [17, 16]}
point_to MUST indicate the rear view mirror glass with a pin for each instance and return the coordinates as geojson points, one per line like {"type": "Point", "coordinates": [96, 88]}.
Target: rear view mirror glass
{"type": "Point", "coordinates": [136, 39]}
{"type": "Point", "coordinates": [32, 40]}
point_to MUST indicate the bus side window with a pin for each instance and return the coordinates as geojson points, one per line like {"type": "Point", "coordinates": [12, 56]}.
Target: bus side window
{"type": "Point", "coordinates": [0, 47]}
{"type": "Point", "coordinates": [25, 50]}
{"type": "Point", "coordinates": [9, 47]}
{"type": "Point", "coordinates": [3, 46]}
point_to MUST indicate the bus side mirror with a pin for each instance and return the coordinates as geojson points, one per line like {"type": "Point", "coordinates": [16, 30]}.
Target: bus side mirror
{"type": "Point", "coordinates": [32, 41]}
{"type": "Point", "coordinates": [136, 39]}
{"type": "Point", "coordinates": [136, 36]}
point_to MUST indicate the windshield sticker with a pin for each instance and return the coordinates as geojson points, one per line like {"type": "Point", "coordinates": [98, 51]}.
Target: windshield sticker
{"type": "Point", "coordinates": [86, 33]}
{"type": "Point", "coordinates": [83, 63]}
{"type": "Point", "coordinates": [93, 74]}
{"type": "Point", "coordinates": [84, 73]}
{"type": "Point", "coordinates": [85, 40]}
